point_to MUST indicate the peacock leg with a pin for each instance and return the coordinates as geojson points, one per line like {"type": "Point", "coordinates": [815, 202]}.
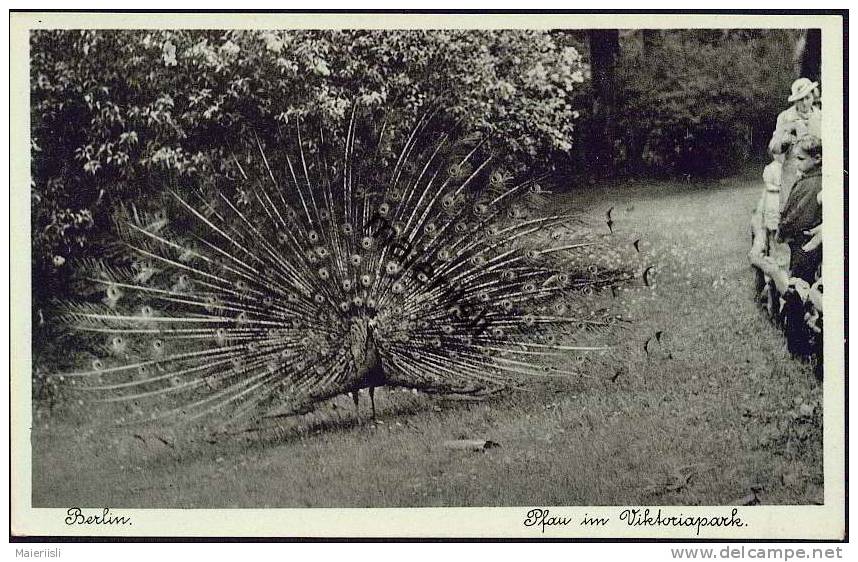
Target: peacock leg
{"type": "Point", "coordinates": [372, 400]}
{"type": "Point", "coordinates": [356, 397]}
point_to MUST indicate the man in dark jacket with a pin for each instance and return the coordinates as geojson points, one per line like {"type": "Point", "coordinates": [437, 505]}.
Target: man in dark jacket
{"type": "Point", "coordinates": [803, 211]}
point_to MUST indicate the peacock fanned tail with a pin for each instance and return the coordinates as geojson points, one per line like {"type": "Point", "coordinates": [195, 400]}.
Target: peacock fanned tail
{"type": "Point", "coordinates": [302, 277]}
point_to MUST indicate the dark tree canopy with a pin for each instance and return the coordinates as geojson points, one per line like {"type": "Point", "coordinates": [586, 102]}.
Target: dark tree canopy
{"type": "Point", "coordinates": [811, 54]}
{"type": "Point", "coordinates": [604, 50]}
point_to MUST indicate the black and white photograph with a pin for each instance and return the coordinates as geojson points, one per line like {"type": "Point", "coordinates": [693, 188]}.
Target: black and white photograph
{"type": "Point", "coordinates": [571, 267]}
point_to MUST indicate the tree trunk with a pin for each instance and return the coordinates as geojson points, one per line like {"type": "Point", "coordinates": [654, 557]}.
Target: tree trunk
{"type": "Point", "coordinates": [811, 54]}
{"type": "Point", "coordinates": [604, 48]}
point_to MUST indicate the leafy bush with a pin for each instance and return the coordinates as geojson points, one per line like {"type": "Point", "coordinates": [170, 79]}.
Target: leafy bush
{"type": "Point", "coordinates": [701, 103]}
{"type": "Point", "coordinates": [116, 114]}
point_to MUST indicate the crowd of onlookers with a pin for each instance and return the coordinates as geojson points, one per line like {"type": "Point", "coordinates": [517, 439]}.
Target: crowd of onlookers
{"type": "Point", "coordinates": [791, 205]}
{"type": "Point", "coordinates": [787, 226]}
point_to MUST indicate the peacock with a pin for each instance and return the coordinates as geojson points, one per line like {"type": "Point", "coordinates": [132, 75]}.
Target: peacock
{"type": "Point", "coordinates": [333, 267]}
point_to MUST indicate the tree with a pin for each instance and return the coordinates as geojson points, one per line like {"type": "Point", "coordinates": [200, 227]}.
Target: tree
{"type": "Point", "coordinates": [699, 104]}
{"type": "Point", "coordinates": [117, 115]}
{"type": "Point", "coordinates": [811, 54]}
{"type": "Point", "coordinates": [604, 49]}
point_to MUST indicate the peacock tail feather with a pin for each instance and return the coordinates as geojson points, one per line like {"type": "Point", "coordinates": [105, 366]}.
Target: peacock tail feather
{"type": "Point", "coordinates": [333, 267]}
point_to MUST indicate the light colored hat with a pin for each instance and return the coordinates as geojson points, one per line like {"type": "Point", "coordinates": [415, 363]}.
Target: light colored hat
{"type": "Point", "coordinates": [800, 88]}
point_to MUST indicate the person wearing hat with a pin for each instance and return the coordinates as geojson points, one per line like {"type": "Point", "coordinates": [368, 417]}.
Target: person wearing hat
{"type": "Point", "coordinates": [802, 118]}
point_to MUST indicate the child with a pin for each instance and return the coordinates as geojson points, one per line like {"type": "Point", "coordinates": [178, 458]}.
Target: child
{"type": "Point", "coordinates": [770, 200]}
{"type": "Point", "coordinates": [770, 210]}
{"type": "Point", "coordinates": [802, 211]}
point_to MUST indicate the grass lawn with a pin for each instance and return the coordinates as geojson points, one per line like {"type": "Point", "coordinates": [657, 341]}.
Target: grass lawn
{"type": "Point", "coordinates": [713, 409]}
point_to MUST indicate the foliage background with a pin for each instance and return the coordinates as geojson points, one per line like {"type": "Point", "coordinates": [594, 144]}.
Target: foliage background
{"type": "Point", "coordinates": [701, 102]}
{"type": "Point", "coordinates": [118, 115]}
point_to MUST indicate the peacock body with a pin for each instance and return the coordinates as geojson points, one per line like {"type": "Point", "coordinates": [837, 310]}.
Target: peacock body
{"type": "Point", "coordinates": [335, 269]}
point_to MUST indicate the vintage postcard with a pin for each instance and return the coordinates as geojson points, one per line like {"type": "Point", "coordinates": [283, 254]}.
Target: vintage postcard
{"type": "Point", "coordinates": [386, 275]}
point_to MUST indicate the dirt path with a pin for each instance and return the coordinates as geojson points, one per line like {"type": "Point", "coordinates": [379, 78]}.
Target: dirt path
{"type": "Point", "coordinates": [708, 410]}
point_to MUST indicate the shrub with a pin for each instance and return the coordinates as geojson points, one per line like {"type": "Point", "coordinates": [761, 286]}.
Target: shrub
{"type": "Point", "coordinates": [701, 103]}
{"type": "Point", "coordinates": [116, 114]}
